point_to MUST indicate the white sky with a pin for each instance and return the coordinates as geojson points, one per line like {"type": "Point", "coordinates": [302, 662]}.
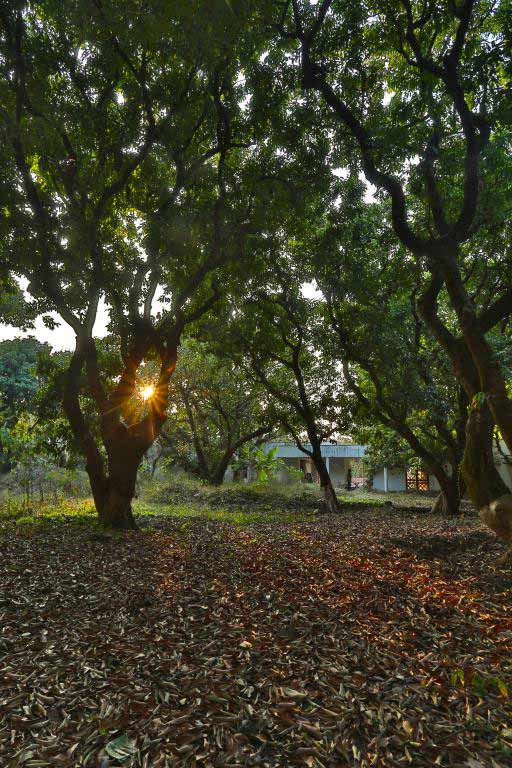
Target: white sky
{"type": "Point", "coordinates": [62, 337]}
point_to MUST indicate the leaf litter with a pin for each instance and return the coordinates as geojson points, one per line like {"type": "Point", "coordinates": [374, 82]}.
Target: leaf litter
{"type": "Point", "coordinates": [369, 639]}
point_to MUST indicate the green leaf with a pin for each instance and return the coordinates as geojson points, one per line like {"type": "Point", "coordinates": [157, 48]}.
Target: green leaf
{"type": "Point", "coordinates": [502, 687]}
{"type": "Point", "coordinates": [121, 748]}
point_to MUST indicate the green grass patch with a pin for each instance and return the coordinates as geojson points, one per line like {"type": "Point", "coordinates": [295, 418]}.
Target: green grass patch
{"type": "Point", "coordinates": [238, 504]}
{"type": "Point", "coordinates": [258, 515]}
{"type": "Point", "coordinates": [75, 511]}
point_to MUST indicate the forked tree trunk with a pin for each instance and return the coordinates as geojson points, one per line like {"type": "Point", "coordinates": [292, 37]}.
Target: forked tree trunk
{"type": "Point", "coordinates": [125, 441]}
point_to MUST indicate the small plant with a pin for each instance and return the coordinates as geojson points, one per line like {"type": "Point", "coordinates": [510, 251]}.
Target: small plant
{"type": "Point", "coordinates": [265, 464]}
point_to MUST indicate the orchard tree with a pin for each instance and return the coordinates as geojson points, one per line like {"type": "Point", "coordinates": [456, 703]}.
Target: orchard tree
{"type": "Point", "coordinates": [400, 378]}
{"type": "Point", "coordinates": [122, 139]}
{"type": "Point", "coordinates": [398, 373]}
{"type": "Point", "coordinates": [417, 94]}
{"type": "Point", "coordinates": [216, 412]}
{"type": "Point", "coordinates": [18, 386]}
{"type": "Point", "coordinates": [276, 334]}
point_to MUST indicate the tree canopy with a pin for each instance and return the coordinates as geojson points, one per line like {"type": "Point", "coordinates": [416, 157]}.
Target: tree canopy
{"type": "Point", "coordinates": [193, 170]}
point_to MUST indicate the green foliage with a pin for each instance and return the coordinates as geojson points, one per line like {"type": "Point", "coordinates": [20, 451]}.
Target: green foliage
{"type": "Point", "coordinates": [384, 448]}
{"type": "Point", "coordinates": [18, 375]}
{"type": "Point", "coordinates": [218, 413]}
{"type": "Point", "coordinates": [265, 463]}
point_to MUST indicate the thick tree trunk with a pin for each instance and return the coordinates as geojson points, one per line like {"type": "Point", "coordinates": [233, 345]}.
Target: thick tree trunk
{"type": "Point", "coordinates": [448, 501]}
{"type": "Point", "coordinates": [486, 489]}
{"type": "Point", "coordinates": [117, 508]}
{"type": "Point", "coordinates": [124, 460]}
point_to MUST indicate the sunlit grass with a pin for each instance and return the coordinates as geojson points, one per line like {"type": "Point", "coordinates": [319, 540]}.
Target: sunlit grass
{"type": "Point", "coordinates": [74, 511]}
{"type": "Point", "coordinates": [236, 504]}
{"type": "Point", "coordinates": [234, 517]}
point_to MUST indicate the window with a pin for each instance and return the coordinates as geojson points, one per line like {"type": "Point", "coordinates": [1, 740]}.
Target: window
{"type": "Point", "coordinates": [417, 480]}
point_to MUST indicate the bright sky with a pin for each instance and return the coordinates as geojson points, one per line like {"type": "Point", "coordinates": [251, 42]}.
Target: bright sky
{"type": "Point", "coordinates": [62, 337]}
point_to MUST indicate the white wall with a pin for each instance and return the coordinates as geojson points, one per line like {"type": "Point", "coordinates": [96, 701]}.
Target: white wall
{"type": "Point", "coordinates": [338, 471]}
{"type": "Point", "coordinates": [396, 480]}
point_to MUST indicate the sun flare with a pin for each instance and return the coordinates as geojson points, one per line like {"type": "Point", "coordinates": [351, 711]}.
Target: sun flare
{"type": "Point", "coordinates": [147, 392]}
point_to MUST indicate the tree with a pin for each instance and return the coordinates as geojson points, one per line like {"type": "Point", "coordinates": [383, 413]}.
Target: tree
{"type": "Point", "coordinates": [123, 134]}
{"type": "Point", "coordinates": [18, 368]}
{"type": "Point", "coordinates": [18, 384]}
{"type": "Point", "coordinates": [407, 81]}
{"type": "Point", "coordinates": [398, 375]}
{"type": "Point", "coordinates": [275, 333]}
{"type": "Point", "coordinates": [216, 411]}
{"type": "Point", "coordinates": [383, 446]}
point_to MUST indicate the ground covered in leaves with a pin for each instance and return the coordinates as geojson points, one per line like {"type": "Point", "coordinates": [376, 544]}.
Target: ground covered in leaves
{"type": "Point", "coordinates": [378, 637]}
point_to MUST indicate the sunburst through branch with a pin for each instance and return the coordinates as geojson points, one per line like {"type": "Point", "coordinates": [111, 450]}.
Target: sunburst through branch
{"type": "Point", "coordinates": [148, 392]}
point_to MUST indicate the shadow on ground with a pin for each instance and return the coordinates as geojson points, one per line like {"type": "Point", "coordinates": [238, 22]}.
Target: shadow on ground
{"type": "Point", "coordinates": [440, 546]}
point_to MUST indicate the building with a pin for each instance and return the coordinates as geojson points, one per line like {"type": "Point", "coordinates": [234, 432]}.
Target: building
{"type": "Point", "coordinates": [398, 479]}
{"type": "Point", "coordinates": [338, 458]}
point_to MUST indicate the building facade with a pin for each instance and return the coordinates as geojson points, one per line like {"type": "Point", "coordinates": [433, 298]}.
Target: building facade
{"type": "Point", "coordinates": [338, 459]}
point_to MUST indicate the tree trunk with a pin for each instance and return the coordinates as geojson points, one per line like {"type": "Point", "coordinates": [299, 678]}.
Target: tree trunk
{"type": "Point", "coordinates": [330, 498]}
{"type": "Point", "coordinates": [217, 476]}
{"type": "Point", "coordinates": [448, 501]}
{"type": "Point", "coordinates": [124, 460]}
{"type": "Point", "coordinates": [486, 489]}
{"type": "Point", "coordinates": [332, 501]}
{"type": "Point", "coordinates": [117, 509]}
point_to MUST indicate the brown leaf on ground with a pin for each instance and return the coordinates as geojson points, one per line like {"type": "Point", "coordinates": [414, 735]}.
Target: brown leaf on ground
{"type": "Point", "coordinates": [370, 639]}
